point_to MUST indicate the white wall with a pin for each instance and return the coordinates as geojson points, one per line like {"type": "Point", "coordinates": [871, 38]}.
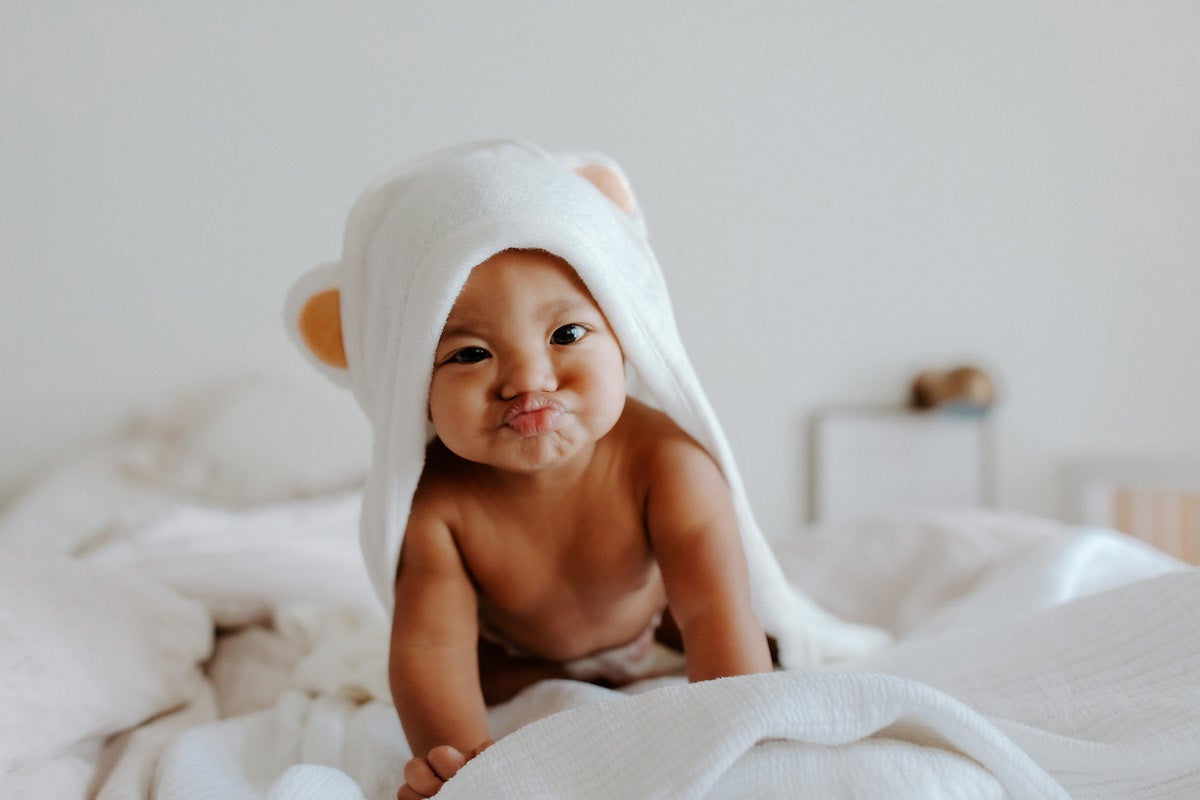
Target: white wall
{"type": "Point", "coordinates": [840, 194]}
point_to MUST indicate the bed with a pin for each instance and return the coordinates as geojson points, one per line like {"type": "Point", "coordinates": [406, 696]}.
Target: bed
{"type": "Point", "coordinates": [185, 615]}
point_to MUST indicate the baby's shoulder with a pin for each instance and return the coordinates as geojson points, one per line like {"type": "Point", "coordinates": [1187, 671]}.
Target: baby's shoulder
{"type": "Point", "coordinates": [684, 486]}
{"type": "Point", "coordinates": [439, 489]}
{"type": "Point", "coordinates": [655, 440]}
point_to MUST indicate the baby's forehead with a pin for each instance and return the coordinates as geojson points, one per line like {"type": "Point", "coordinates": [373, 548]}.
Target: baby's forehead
{"type": "Point", "coordinates": [480, 318]}
{"type": "Point", "coordinates": [533, 283]}
{"type": "Point", "coordinates": [483, 317]}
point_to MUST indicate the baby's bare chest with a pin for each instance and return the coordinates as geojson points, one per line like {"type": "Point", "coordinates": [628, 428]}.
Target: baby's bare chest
{"type": "Point", "coordinates": [520, 563]}
{"type": "Point", "coordinates": [575, 580]}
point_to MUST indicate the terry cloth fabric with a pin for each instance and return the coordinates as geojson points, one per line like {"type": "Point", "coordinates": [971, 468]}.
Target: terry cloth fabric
{"type": "Point", "coordinates": [412, 239]}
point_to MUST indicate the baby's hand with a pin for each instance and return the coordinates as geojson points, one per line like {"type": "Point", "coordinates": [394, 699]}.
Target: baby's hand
{"type": "Point", "coordinates": [423, 777]}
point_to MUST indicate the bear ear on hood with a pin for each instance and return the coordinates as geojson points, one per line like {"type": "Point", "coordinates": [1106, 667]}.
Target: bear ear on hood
{"type": "Point", "coordinates": [607, 176]}
{"type": "Point", "coordinates": [313, 309]}
{"type": "Point", "coordinates": [314, 320]}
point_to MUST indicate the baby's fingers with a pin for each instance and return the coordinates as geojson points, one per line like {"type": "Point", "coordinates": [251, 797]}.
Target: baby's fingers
{"type": "Point", "coordinates": [423, 777]}
{"type": "Point", "coordinates": [446, 761]}
{"type": "Point", "coordinates": [408, 793]}
{"type": "Point", "coordinates": [419, 780]}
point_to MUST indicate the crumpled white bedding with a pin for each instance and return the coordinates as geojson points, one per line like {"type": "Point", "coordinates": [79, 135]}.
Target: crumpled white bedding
{"type": "Point", "coordinates": [1033, 660]}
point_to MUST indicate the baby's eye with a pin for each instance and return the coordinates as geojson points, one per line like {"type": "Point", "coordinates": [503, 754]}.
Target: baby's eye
{"type": "Point", "coordinates": [468, 355]}
{"type": "Point", "coordinates": [568, 334]}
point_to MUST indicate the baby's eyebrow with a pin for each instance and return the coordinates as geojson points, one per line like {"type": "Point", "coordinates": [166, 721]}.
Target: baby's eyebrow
{"type": "Point", "coordinates": [551, 309]}
{"type": "Point", "coordinates": [565, 305]}
{"type": "Point", "coordinates": [453, 329]}
{"type": "Point", "coordinates": [468, 323]}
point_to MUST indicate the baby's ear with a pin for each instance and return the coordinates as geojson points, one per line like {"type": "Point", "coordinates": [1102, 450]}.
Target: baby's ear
{"type": "Point", "coordinates": [607, 176]}
{"type": "Point", "coordinates": [314, 319]}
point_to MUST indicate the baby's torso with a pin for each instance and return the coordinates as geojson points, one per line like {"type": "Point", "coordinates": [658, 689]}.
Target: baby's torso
{"type": "Point", "coordinates": [571, 583]}
{"type": "Point", "coordinates": [565, 574]}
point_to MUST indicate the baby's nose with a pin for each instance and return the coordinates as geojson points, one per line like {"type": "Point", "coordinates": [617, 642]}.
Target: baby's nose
{"type": "Point", "coordinates": [528, 372]}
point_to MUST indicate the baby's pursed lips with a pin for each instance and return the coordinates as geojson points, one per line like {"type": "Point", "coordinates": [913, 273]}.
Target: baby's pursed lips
{"type": "Point", "coordinates": [530, 402]}
{"type": "Point", "coordinates": [533, 413]}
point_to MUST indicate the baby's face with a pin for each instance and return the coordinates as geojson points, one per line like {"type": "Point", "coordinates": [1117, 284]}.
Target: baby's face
{"type": "Point", "coordinates": [527, 374]}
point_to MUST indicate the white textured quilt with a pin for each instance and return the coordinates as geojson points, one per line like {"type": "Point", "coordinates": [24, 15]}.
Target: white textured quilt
{"type": "Point", "coordinates": [1094, 697]}
{"type": "Point", "coordinates": [1033, 660]}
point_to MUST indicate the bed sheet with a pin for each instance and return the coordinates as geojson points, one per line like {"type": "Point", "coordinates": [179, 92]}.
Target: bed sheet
{"type": "Point", "coordinates": [158, 643]}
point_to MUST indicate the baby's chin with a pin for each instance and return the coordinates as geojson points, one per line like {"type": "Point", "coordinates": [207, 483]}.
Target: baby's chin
{"type": "Point", "coordinates": [546, 451]}
{"type": "Point", "coordinates": [534, 445]}
{"type": "Point", "coordinates": [531, 453]}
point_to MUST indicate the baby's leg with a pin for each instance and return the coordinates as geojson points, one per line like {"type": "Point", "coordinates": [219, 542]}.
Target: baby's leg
{"type": "Point", "coordinates": [502, 675]}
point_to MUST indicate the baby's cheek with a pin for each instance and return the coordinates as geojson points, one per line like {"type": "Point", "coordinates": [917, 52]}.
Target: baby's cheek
{"type": "Point", "coordinates": [454, 424]}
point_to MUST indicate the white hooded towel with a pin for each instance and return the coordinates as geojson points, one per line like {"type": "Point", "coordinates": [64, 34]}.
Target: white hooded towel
{"type": "Point", "coordinates": [411, 241]}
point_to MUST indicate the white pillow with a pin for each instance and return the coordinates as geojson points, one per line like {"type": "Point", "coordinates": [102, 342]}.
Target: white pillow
{"type": "Point", "coordinates": [88, 651]}
{"type": "Point", "coordinates": [244, 563]}
{"type": "Point", "coordinates": [255, 439]}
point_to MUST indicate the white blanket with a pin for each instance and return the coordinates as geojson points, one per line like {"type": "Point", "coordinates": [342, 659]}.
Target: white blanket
{"type": "Point", "coordinates": [1095, 697]}
{"type": "Point", "coordinates": [1033, 660]}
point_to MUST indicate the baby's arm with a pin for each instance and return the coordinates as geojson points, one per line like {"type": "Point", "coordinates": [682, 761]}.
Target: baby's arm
{"type": "Point", "coordinates": [694, 532]}
{"type": "Point", "coordinates": [433, 666]}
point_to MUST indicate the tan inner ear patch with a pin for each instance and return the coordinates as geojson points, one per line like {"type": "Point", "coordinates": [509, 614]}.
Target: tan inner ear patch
{"type": "Point", "coordinates": [320, 324]}
{"type": "Point", "coordinates": [610, 183]}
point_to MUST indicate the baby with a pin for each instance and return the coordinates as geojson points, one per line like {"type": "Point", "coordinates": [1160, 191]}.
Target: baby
{"type": "Point", "coordinates": [556, 519]}
{"type": "Point", "coordinates": [525, 517]}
